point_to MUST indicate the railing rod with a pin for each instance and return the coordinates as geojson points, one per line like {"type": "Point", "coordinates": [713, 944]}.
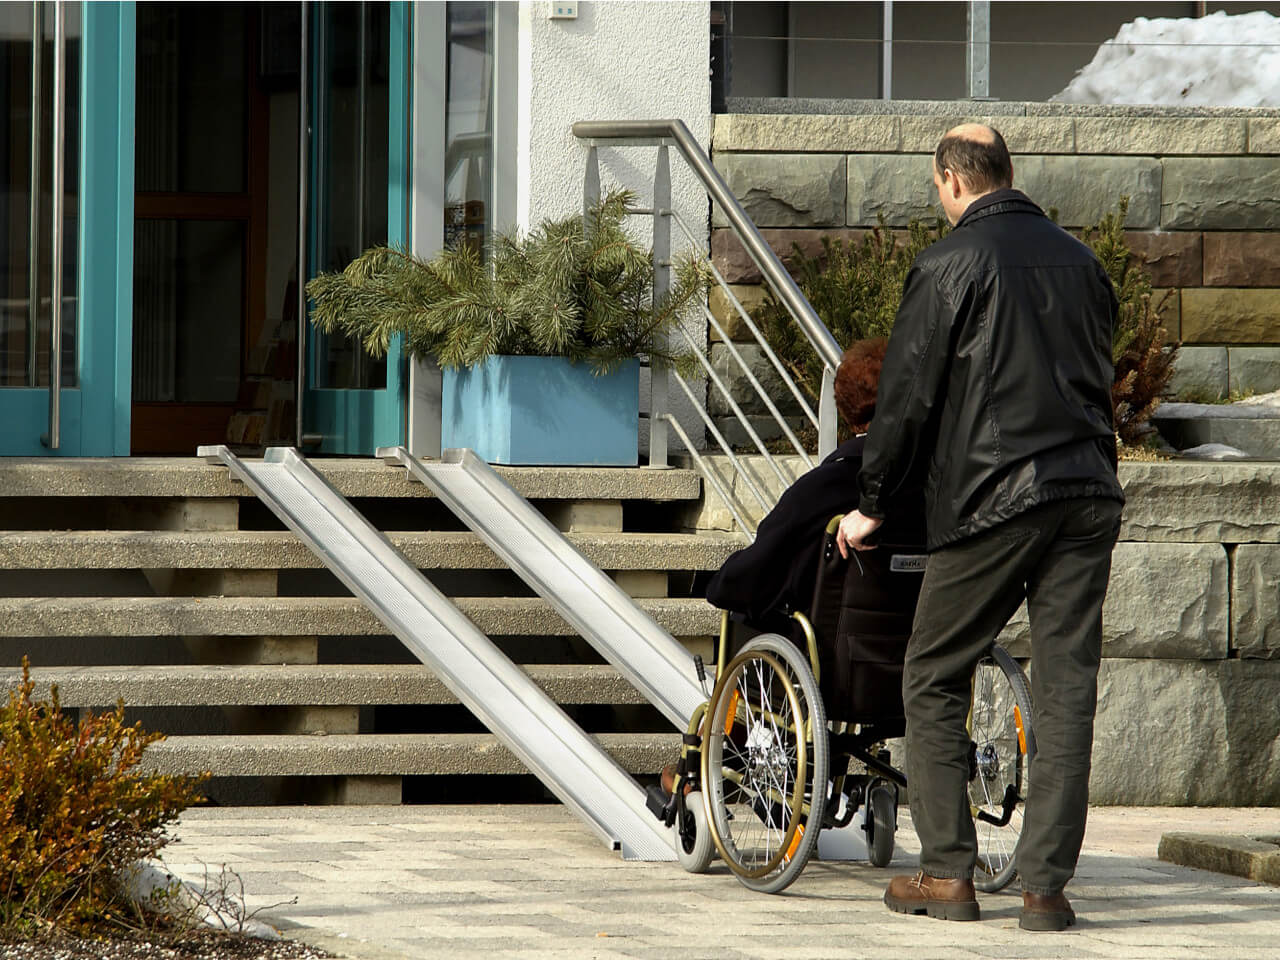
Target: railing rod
{"type": "Point", "coordinates": [737, 410]}
{"type": "Point", "coordinates": [723, 444]}
{"type": "Point", "coordinates": [760, 390]}
{"type": "Point", "coordinates": [709, 475]}
{"type": "Point", "coordinates": [755, 331]}
{"type": "Point", "coordinates": [759, 251]}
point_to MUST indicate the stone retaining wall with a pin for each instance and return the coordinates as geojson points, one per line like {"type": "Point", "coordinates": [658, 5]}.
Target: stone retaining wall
{"type": "Point", "coordinates": [1204, 210]}
{"type": "Point", "coordinates": [1189, 691]}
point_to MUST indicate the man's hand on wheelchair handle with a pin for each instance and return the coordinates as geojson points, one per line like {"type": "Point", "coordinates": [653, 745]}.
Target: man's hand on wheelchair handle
{"type": "Point", "coordinates": [854, 531]}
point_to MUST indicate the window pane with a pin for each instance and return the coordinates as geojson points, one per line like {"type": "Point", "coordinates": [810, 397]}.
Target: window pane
{"type": "Point", "coordinates": [469, 125]}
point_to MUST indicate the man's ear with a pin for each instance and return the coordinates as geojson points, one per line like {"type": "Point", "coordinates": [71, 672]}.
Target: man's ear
{"type": "Point", "coordinates": [953, 184]}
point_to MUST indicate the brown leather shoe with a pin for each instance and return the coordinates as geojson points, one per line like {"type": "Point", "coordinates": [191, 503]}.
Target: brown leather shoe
{"type": "Point", "coordinates": [939, 898]}
{"type": "Point", "coordinates": [1041, 912]}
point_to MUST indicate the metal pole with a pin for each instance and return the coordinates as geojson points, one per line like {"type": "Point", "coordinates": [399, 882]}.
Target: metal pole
{"type": "Point", "coordinates": [53, 439]}
{"type": "Point", "coordinates": [33, 239]}
{"type": "Point", "coordinates": [658, 373]}
{"type": "Point", "coordinates": [978, 50]}
{"type": "Point", "coordinates": [304, 143]}
{"type": "Point", "coordinates": [886, 52]}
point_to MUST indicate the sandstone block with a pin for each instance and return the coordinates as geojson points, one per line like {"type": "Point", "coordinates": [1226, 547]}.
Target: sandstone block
{"type": "Point", "coordinates": [1253, 369]}
{"type": "Point", "coordinates": [786, 190]}
{"type": "Point", "coordinates": [1255, 601]}
{"type": "Point", "coordinates": [1201, 502]}
{"type": "Point", "coordinates": [1172, 259]}
{"type": "Point", "coordinates": [1230, 315]}
{"type": "Point", "coordinates": [1085, 188]}
{"type": "Point", "coordinates": [1220, 193]}
{"type": "Point", "coordinates": [1178, 732]}
{"type": "Point", "coordinates": [585, 516]}
{"type": "Point", "coordinates": [1200, 374]}
{"type": "Point", "coordinates": [751, 296]}
{"type": "Point", "coordinates": [1165, 600]}
{"type": "Point", "coordinates": [1249, 857]}
{"type": "Point", "coordinates": [1264, 135]}
{"type": "Point", "coordinates": [740, 388]}
{"type": "Point", "coordinates": [1169, 305]}
{"type": "Point", "coordinates": [805, 133]}
{"type": "Point", "coordinates": [1244, 259]}
{"type": "Point", "coordinates": [736, 265]}
{"type": "Point", "coordinates": [897, 186]}
{"type": "Point", "coordinates": [1161, 136]}
{"type": "Point", "coordinates": [1025, 135]}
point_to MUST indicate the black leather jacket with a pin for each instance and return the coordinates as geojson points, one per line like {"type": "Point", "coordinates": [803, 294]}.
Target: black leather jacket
{"type": "Point", "coordinates": [996, 388]}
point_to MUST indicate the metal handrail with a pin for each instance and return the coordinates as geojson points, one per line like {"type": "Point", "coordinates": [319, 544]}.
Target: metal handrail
{"type": "Point", "coordinates": [663, 134]}
{"type": "Point", "coordinates": [760, 252]}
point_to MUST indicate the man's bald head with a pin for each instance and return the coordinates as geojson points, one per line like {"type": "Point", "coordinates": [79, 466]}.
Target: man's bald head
{"type": "Point", "coordinates": [976, 154]}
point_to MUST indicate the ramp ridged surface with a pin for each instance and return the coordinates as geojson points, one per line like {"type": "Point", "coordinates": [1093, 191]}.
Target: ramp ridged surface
{"type": "Point", "coordinates": [500, 694]}
{"type": "Point", "coordinates": [584, 595]}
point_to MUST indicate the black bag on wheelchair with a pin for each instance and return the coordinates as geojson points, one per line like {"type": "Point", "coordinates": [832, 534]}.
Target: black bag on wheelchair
{"type": "Point", "coordinates": [861, 614]}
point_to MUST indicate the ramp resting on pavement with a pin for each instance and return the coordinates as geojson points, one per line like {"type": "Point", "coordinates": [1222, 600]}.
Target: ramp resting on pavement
{"type": "Point", "coordinates": [497, 691]}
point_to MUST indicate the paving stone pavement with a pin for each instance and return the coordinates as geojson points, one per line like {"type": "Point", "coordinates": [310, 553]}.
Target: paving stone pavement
{"type": "Point", "coordinates": [386, 883]}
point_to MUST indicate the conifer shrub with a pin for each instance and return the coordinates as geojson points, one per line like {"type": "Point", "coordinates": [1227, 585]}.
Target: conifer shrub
{"type": "Point", "coordinates": [580, 287]}
{"type": "Point", "coordinates": [856, 289]}
{"type": "Point", "coordinates": [74, 812]}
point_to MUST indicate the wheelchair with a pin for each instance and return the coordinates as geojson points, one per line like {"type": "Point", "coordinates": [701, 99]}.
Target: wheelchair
{"type": "Point", "coordinates": [765, 763]}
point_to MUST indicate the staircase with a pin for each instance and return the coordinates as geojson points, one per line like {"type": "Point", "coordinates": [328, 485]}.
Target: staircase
{"type": "Point", "coordinates": [162, 582]}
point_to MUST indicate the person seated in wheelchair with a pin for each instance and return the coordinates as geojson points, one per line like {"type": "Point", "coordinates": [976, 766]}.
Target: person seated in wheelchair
{"type": "Point", "coordinates": [791, 567]}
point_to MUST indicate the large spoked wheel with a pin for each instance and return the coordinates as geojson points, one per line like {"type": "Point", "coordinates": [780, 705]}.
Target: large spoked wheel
{"type": "Point", "coordinates": [765, 763]}
{"type": "Point", "coordinates": [694, 848]}
{"type": "Point", "coordinates": [1004, 745]}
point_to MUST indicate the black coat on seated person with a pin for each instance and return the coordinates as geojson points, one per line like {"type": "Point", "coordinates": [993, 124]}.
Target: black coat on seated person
{"type": "Point", "coordinates": [775, 575]}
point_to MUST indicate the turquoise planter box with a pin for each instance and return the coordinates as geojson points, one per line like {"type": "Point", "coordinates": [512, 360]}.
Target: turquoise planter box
{"type": "Point", "coordinates": [543, 410]}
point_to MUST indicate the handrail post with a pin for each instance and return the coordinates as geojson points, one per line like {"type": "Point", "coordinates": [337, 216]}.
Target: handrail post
{"type": "Point", "coordinates": [827, 415]}
{"type": "Point", "coordinates": [658, 372]}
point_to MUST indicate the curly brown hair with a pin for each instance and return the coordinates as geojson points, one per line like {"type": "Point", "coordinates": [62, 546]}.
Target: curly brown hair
{"type": "Point", "coordinates": [857, 378]}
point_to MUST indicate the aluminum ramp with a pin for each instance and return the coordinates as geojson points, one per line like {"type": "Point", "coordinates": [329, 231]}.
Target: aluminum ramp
{"type": "Point", "coordinates": [649, 657]}
{"type": "Point", "coordinates": [497, 691]}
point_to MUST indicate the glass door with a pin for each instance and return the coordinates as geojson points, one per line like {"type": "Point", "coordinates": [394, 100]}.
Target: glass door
{"type": "Point", "coordinates": [358, 57]}
{"type": "Point", "coordinates": [65, 85]}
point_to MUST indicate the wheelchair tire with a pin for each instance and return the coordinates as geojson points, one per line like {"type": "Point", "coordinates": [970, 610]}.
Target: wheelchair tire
{"type": "Point", "coordinates": [1003, 745]}
{"type": "Point", "coordinates": [882, 817]}
{"type": "Point", "coordinates": [695, 852]}
{"type": "Point", "coordinates": [765, 764]}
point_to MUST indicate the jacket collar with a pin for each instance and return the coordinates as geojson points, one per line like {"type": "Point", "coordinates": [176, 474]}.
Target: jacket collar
{"type": "Point", "coordinates": [1007, 200]}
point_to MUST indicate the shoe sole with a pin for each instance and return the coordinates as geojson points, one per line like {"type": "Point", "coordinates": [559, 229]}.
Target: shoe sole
{"type": "Point", "coordinates": [961, 910]}
{"type": "Point", "coordinates": [1043, 921]}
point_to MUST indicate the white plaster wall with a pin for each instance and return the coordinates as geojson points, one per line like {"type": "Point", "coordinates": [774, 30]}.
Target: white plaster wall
{"type": "Point", "coordinates": [619, 60]}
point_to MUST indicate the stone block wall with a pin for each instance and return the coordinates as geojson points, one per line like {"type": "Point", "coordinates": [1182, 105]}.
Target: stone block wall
{"type": "Point", "coordinates": [1189, 687]}
{"type": "Point", "coordinates": [1203, 188]}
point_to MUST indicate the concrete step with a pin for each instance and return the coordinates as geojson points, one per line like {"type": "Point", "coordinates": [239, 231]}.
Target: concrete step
{"type": "Point", "coordinates": [268, 550]}
{"type": "Point", "coordinates": [192, 477]}
{"type": "Point", "coordinates": [301, 685]}
{"type": "Point", "coordinates": [41, 617]}
{"type": "Point", "coordinates": [379, 755]}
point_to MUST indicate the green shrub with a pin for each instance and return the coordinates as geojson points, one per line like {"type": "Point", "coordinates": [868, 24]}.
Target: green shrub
{"type": "Point", "coordinates": [579, 287]}
{"type": "Point", "coordinates": [856, 289]}
{"type": "Point", "coordinates": [73, 812]}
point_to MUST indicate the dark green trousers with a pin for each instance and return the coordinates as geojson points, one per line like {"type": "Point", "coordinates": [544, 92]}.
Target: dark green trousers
{"type": "Point", "coordinates": [1058, 557]}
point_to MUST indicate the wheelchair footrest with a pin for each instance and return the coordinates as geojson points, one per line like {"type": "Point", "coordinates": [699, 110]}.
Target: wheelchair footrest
{"type": "Point", "coordinates": [660, 803]}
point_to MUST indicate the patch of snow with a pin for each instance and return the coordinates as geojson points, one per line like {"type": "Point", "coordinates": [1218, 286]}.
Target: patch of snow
{"type": "Point", "coordinates": [155, 889]}
{"type": "Point", "coordinates": [1261, 400]}
{"type": "Point", "coordinates": [1217, 61]}
{"type": "Point", "coordinates": [1213, 451]}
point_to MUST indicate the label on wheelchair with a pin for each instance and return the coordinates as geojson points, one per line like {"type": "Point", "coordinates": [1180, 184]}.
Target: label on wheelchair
{"type": "Point", "coordinates": [908, 562]}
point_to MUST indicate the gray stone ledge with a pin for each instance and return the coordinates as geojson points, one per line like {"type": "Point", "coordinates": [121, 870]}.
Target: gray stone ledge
{"type": "Point", "coordinates": [190, 477]}
{"type": "Point", "coordinates": [379, 754]}
{"type": "Point", "coordinates": [1166, 600]}
{"type": "Point", "coordinates": [301, 685]}
{"type": "Point", "coordinates": [1014, 108]}
{"type": "Point", "coordinates": [268, 550]}
{"type": "Point", "coordinates": [1201, 502]}
{"type": "Point", "coordinates": [804, 133]}
{"type": "Point", "coordinates": [1160, 136]}
{"type": "Point", "coordinates": [42, 617]}
{"type": "Point", "coordinates": [1178, 732]}
{"type": "Point", "coordinates": [1250, 857]}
